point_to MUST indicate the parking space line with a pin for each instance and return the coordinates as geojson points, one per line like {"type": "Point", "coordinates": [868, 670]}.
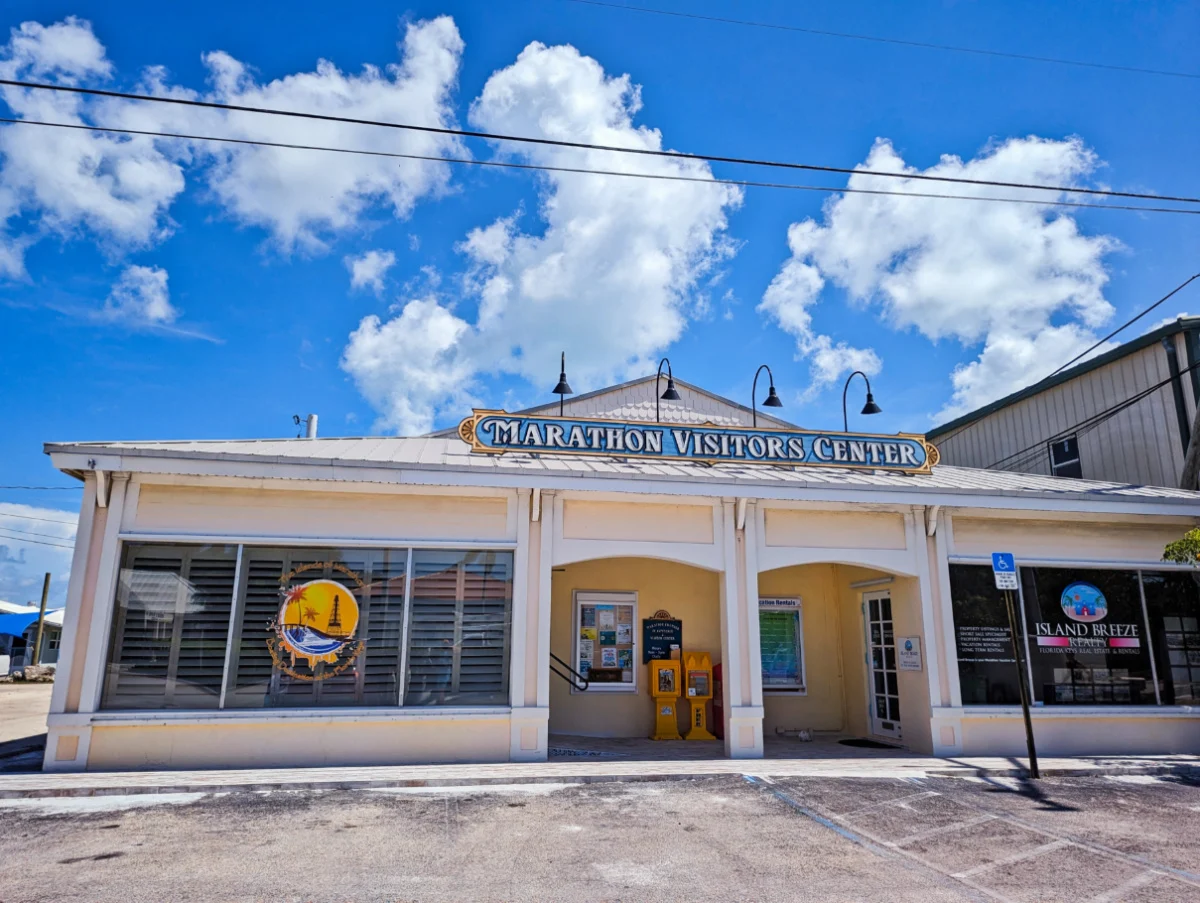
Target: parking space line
{"type": "Point", "coordinates": [1119, 892]}
{"type": "Point", "coordinates": [945, 829]}
{"type": "Point", "coordinates": [1015, 857]}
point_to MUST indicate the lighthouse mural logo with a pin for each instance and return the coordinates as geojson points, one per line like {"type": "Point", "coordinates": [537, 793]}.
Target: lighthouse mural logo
{"type": "Point", "coordinates": [315, 630]}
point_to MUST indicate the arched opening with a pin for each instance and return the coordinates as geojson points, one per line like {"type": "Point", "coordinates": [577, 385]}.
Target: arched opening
{"type": "Point", "coordinates": [596, 623]}
{"type": "Point", "coordinates": [848, 625]}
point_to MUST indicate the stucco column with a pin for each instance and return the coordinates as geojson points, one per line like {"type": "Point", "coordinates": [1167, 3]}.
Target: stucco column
{"type": "Point", "coordinates": [530, 688]}
{"type": "Point", "coordinates": [740, 649]}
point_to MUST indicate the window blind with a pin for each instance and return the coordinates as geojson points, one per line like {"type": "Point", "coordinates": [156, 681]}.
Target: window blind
{"type": "Point", "coordinates": [170, 627]}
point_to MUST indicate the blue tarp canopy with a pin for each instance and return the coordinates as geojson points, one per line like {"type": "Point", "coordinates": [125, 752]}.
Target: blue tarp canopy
{"type": "Point", "coordinates": [17, 624]}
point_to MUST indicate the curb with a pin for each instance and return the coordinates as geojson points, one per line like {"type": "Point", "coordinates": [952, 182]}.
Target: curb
{"type": "Point", "coordinates": [435, 783]}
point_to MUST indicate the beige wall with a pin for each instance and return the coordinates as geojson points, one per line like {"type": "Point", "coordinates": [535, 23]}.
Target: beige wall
{"type": "Point", "coordinates": [824, 706]}
{"type": "Point", "coordinates": [1067, 540]}
{"type": "Point", "coordinates": [269, 512]}
{"type": "Point", "coordinates": [1090, 734]}
{"type": "Point", "coordinates": [688, 593]}
{"type": "Point", "coordinates": [299, 742]}
{"type": "Point", "coordinates": [833, 529]}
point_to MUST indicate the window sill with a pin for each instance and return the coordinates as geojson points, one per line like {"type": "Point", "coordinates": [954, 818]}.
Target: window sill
{"type": "Point", "coordinates": [1039, 712]}
{"type": "Point", "coordinates": [785, 691]}
{"type": "Point", "coordinates": [258, 716]}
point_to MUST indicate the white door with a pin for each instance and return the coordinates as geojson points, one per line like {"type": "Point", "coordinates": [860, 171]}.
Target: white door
{"type": "Point", "coordinates": [883, 692]}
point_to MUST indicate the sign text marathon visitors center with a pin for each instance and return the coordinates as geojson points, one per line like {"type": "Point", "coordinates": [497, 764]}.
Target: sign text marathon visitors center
{"type": "Point", "coordinates": [600, 570]}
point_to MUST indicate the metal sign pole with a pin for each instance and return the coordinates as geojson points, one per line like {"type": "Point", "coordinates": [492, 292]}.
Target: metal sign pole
{"type": "Point", "coordinates": [1012, 626]}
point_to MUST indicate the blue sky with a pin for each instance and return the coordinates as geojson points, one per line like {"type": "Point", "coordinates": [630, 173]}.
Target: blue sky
{"type": "Point", "coordinates": [210, 295]}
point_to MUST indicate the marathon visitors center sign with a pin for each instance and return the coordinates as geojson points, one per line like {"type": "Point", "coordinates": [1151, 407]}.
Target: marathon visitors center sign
{"type": "Point", "coordinates": [495, 432]}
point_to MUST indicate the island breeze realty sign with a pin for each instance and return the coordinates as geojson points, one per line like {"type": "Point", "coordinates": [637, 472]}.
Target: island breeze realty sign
{"type": "Point", "coordinates": [496, 432]}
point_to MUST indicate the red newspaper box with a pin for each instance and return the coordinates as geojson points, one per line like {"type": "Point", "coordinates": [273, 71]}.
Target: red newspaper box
{"type": "Point", "coordinates": [718, 703]}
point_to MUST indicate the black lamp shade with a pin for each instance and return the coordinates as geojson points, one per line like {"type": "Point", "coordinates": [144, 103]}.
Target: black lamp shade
{"type": "Point", "coordinates": [670, 394]}
{"type": "Point", "coordinates": [870, 407]}
{"type": "Point", "coordinates": [772, 400]}
{"type": "Point", "coordinates": [562, 388]}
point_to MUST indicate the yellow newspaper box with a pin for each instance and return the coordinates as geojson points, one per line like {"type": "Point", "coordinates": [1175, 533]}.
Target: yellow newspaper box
{"type": "Point", "coordinates": [664, 687]}
{"type": "Point", "coordinates": [697, 669]}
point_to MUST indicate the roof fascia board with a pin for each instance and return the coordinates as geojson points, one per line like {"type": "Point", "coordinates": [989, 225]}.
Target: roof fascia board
{"type": "Point", "coordinates": [678, 486]}
{"type": "Point", "coordinates": [1134, 345]}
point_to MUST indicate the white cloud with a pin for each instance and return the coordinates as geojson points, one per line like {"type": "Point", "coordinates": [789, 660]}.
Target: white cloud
{"type": "Point", "coordinates": [30, 548]}
{"type": "Point", "coordinates": [117, 190]}
{"type": "Point", "coordinates": [304, 197]}
{"type": "Point", "coordinates": [367, 270]}
{"type": "Point", "coordinates": [113, 189]}
{"type": "Point", "coordinates": [1020, 278]}
{"type": "Point", "coordinates": [140, 298]}
{"type": "Point", "coordinates": [611, 276]}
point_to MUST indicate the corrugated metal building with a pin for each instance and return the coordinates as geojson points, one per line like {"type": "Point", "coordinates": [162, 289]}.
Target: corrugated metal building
{"type": "Point", "coordinates": [1125, 416]}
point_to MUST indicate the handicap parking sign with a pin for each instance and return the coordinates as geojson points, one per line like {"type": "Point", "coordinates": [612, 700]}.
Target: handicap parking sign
{"type": "Point", "coordinates": [1004, 569]}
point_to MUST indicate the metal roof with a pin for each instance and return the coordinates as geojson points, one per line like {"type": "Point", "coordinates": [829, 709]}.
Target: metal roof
{"type": "Point", "coordinates": [454, 456]}
{"type": "Point", "coordinates": [1100, 360]}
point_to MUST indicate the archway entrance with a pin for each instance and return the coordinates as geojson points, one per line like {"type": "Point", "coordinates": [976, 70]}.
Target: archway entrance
{"type": "Point", "coordinates": [596, 630]}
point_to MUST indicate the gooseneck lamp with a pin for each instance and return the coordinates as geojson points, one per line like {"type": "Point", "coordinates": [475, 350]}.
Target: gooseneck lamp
{"type": "Point", "coordinates": [563, 388]}
{"type": "Point", "coordinates": [869, 408]}
{"type": "Point", "coordinates": [771, 401]}
{"type": "Point", "coordinates": [670, 394]}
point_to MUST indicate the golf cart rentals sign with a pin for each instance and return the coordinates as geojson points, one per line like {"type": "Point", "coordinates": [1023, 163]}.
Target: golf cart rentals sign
{"type": "Point", "coordinates": [496, 432]}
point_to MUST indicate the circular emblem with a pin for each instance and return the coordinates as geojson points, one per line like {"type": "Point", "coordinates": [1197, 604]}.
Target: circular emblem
{"type": "Point", "coordinates": [908, 645]}
{"type": "Point", "coordinates": [1084, 602]}
{"type": "Point", "coordinates": [317, 621]}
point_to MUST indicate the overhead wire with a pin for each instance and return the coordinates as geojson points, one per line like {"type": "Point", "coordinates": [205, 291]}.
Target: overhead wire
{"type": "Point", "coordinates": [38, 542]}
{"type": "Point", "coordinates": [49, 520]}
{"type": "Point", "coordinates": [41, 488]}
{"type": "Point", "coordinates": [926, 45]}
{"type": "Point", "coordinates": [742, 183]}
{"type": "Point", "coordinates": [35, 533]}
{"type": "Point", "coordinates": [582, 145]}
{"type": "Point", "coordinates": [1094, 420]}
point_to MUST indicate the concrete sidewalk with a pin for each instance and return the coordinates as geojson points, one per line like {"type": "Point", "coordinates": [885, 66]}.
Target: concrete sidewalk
{"type": "Point", "coordinates": [576, 771]}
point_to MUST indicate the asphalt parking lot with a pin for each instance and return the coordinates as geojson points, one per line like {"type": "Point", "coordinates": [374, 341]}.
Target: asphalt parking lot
{"type": "Point", "coordinates": [721, 838]}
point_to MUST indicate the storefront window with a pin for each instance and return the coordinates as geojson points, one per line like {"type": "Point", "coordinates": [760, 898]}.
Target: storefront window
{"type": "Point", "coordinates": [318, 628]}
{"type": "Point", "coordinates": [1087, 637]}
{"type": "Point", "coordinates": [459, 636]}
{"type": "Point", "coordinates": [781, 635]}
{"type": "Point", "coordinates": [987, 668]}
{"type": "Point", "coordinates": [1173, 604]}
{"type": "Point", "coordinates": [311, 628]}
{"type": "Point", "coordinates": [170, 627]}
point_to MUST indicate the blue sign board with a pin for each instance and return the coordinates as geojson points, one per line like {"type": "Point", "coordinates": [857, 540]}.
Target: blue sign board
{"type": "Point", "coordinates": [1004, 569]}
{"type": "Point", "coordinates": [496, 432]}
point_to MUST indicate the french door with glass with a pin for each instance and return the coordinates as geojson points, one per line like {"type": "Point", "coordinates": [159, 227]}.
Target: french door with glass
{"type": "Point", "coordinates": [882, 685]}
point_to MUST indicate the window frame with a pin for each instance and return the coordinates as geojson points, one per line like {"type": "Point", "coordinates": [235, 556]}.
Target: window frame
{"type": "Point", "coordinates": [1140, 567]}
{"type": "Point", "coordinates": [1056, 466]}
{"type": "Point", "coordinates": [786, 603]}
{"type": "Point", "coordinates": [237, 604]}
{"type": "Point", "coordinates": [581, 597]}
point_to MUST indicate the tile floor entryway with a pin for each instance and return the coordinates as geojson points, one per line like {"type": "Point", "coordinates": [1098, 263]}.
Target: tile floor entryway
{"type": "Point", "coordinates": [822, 746]}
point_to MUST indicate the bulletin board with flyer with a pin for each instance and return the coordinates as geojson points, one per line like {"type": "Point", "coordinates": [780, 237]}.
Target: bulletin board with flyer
{"type": "Point", "coordinates": [604, 640]}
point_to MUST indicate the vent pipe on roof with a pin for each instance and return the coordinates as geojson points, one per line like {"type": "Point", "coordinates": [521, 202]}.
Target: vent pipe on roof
{"type": "Point", "coordinates": [310, 425]}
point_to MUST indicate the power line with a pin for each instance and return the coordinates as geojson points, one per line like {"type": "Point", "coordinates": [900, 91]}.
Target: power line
{"type": "Point", "coordinates": [40, 488]}
{"type": "Point", "coordinates": [551, 142]}
{"type": "Point", "coordinates": [1095, 419]}
{"type": "Point", "coordinates": [37, 542]}
{"type": "Point", "coordinates": [49, 520]}
{"type": "Point", "coordinates": [35, 533]}
{"type": "Point", "coordinates": [898, 41]}
{"type": "Point", "coordinates": [1126, 324]}
{"type": "Point", "coordinates": [742, 183]}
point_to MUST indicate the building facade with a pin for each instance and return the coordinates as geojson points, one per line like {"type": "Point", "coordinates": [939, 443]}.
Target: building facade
{"type": "Point", "coordinates": [1125, 416]}
{"type": "Point", "coordinates": [400, 600]}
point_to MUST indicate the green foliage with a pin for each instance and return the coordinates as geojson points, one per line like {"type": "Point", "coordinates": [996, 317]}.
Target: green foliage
{"type": "Point", "coordinates": [1185, 550]}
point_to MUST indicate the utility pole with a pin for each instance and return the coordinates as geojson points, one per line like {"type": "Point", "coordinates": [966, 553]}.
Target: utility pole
{"type": "Point", "coordinates": [37, 644]}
